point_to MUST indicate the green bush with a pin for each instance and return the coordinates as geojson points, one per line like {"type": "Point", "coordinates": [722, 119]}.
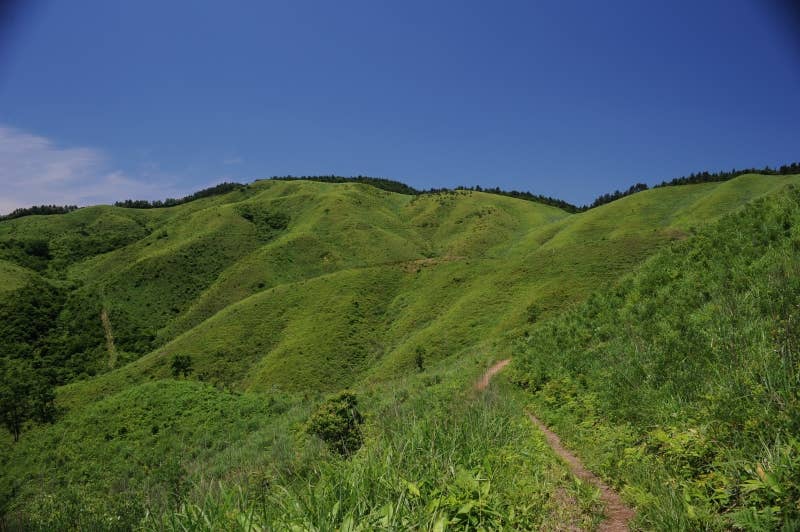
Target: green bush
{"type": "Point", "coordinates": [268, 223]}
{"type": "Point", "coordinates": [338, 422]}
{"type": "Point", "coordinates": [181, 365]}
{"type": "Point", "coordinates": [25, 394]}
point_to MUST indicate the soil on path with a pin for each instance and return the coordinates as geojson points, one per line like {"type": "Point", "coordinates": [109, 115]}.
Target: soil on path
{"type": "Point", "coordinates": [618, 514]}
{"type": "Point", "coordinates": [112, 349]}
{"type": "Point", "coordinates": [491, 372]}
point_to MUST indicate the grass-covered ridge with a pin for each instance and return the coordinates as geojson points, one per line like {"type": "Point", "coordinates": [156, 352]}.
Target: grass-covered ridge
{"type": "Point", "coordinates": [281, 292]}
{"type": "Point", "coordinates": [681, 382]}
{"type": "Point", "coordinates": [240, 280]}
{"type": "Point", "coordinates": [399, 187]}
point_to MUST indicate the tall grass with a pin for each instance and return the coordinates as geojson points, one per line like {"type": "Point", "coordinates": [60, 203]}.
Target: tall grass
{"type": "Point", "coordinates": [431, 461]}
{"type": "Point", "coordinates": [682, 381]}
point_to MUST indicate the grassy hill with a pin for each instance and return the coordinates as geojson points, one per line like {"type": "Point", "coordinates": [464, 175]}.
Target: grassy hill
{"type": "Point", "coordinates": [13, 276]}
{"type": "Point", "coordinates": [360, 277]}
{"type": "Point", "coordinates": [680, 383]}
{"type": "Point", "coordinates": [283, 291]}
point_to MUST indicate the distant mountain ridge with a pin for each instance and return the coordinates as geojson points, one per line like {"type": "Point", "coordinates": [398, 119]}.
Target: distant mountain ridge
{"type": "Point", "coordinates": [401, 188]}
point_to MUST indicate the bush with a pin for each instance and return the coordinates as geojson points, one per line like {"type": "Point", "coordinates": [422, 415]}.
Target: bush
{"type": "Point", "coordinates": [181, 365]}
{"type": "Point", "coordinates": [419, 358]}
{"type": "Point", "coordinates": [24, 395]}
{"type": "Point", "coordinates": [338, 422]}
{"type": "Point", "coordinates": [533, 312]}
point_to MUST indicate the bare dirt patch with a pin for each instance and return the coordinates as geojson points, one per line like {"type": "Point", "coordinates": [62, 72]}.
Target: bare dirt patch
{"type": "Point", "coordinates": [417, 265]}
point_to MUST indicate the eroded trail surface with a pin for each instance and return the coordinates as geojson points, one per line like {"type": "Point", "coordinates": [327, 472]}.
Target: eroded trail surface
{"type": "Point", "coordinates": [112, 349]}
{"type": "Point", "coordinates": [491, 372]}
{"type": "Point", "coordinates": [618, 514]}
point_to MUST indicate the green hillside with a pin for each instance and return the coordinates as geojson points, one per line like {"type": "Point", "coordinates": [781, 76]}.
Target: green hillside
{"type": "Point", "coordinates": [681, 382]}
{"type": "Point", "coordinates": [281, 292]}
{"type": "Point", "coordinates": [13, 276]}
{"type": "Point", "coordinates": [446, 271]}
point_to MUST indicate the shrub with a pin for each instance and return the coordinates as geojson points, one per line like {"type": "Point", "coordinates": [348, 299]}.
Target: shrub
{"type": "Point", "coordinates": [533, 312]}
{"type": "Point", "coordinates": [181, 364]}
{"type": "Point", "coordinates": [419, 358]}
{"type": "Point", "coordinates": [25, 395]}
{"type": "Point", "coordinates": [338, 422]}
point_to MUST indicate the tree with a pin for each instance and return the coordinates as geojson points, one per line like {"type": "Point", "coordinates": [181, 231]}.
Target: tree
{"type": "Point", "coordinates": [338, 422]}
{"type": "Point", "coordinates": [181, 364]}
{"type": "Point", "coordinates": [24, 395]}
{"type": "Point", "coordinates": [419, 358]}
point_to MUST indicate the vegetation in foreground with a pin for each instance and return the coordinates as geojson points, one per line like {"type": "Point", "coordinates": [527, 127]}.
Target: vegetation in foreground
{"type": "Point", "coordinates": [181, 455]}
{"type": "Point", "coordinates": [681, 383]}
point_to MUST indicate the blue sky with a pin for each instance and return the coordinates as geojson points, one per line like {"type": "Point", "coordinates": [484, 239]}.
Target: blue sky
{"type": "Point", "coordinates": [103, 100]}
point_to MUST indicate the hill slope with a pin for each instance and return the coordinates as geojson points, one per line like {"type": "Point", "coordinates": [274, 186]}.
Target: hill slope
{"type": "Point", "coordinates": [682, 381]}
{"type": "Point", "coordinates": [445, 272]}
{"type": "Point", "coordinates": [283, 290]}
{"type": "Point", "coordinates": [296, 260]}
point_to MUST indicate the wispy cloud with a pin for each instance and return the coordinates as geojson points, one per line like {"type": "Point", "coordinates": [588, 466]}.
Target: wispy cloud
{"type": "Point", "coordinates": [233, 160]}
{"type": "Point", "coordinates": [34, 170]}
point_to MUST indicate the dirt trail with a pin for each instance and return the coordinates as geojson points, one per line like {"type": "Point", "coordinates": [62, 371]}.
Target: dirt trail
{"type": "Point", "coordinates": [112, 349]}
{"type": "Point", "coordinates": [618, 514]}
{"type": "Point", "coordinates": [491, 372]}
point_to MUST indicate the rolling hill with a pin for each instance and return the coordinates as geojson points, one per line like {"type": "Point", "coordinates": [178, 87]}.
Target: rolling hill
{"type": "Point", "coordinates": [283, 291]}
